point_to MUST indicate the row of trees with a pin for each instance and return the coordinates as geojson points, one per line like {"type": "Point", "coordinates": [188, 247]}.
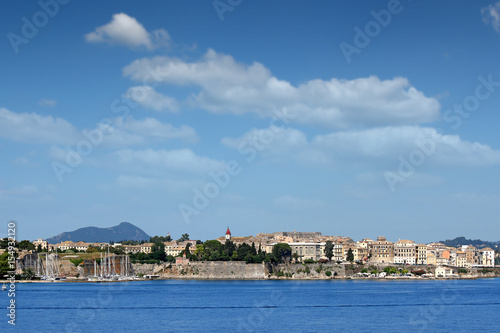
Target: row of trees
{"type": "Point", "coordinates": [213, 250]}
{"type": "Point", "coordinates": [22, 245]}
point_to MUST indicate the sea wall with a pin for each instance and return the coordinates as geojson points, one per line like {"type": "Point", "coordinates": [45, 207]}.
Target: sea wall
{"type": "Point", "coordinates": [306, 271]}
{"type": "Point", "coordinates": [216, 270]}
{"type": "Point", "coordinates": [240, 270]}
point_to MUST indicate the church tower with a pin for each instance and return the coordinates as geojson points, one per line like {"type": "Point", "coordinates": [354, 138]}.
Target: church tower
{"type": "Point", "coordinates": [228, 234]}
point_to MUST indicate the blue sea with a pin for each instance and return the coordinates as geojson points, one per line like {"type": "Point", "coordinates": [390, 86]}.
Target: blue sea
{"type": "Point", "coordinates": [256, 306]}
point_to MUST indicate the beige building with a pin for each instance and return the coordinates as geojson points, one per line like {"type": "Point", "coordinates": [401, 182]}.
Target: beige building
{"type": "Point", "coordinates": [43, 244]}
{"type": "Point", "coordinates": [472, 256]}
{"type": "Point", "coordinates": [304, 251]}
{"type": "Point", "coordinates": [359, 253]}
{"type": "Point", "coordinates": [461, 260]}
{"type": "Point", "coordinates": [382, 251]}
{"type": "Point", "coordinates": [131, 248]}
{"type": "Point", "coordinates": [364, 243]}
{"type": "Point", "coordinates": [175, 248]}
{"type": "Point", "coordinates": [443, 272]}
{"type": "Point", "coordinates": [421, 254]}
{"type": "Point", "coordinates": [65, 245]}
{"type": "Point", "coordinates": [146, 247]}
{"type": "Point", "coordinates": [431, 257]}
{"type": "Point", "coordinates": [338, 252]}
{"type": "Point", "coordinates": [405, 252]}
{"type": "Point", "coordinates": [81, 246]}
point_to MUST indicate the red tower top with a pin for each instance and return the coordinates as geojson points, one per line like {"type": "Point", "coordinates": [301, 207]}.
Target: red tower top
{"type": "Point", "coordinates": [228, 232]}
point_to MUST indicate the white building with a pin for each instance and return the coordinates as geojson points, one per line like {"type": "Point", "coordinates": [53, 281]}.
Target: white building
{"type": "Point", "coordinates": [487, 257]}
{"type": "Point", "coordinates": [443, 272]}
{"type": "Point", "coordinates": [405, 252]}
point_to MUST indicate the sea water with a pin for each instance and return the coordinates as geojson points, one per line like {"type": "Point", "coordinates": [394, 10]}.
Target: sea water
{"type": "Point", "coordinates": [256, 306]}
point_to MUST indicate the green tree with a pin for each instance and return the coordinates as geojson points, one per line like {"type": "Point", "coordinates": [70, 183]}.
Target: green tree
{"type": "Point", "coordinates": [213, 249]}
{"type": "Point", "coordinates": [26, 245]}
{"type": "Point", "coordinates": [200, 251]}
{"type": "Point", "coordinates": [4, 264]}
{"type": "Point", "coordinates": [329, 250]}
{"type": "Point", "coordinates": [92, 249]}
{"type": "Point", "coordinates": [186, 249]}
{"type": "Point", "coordinates": [390, 270]}
{"type": "Point", "coordinates": [253, 250]}
{"type": "Point", "coordinates": [162, 239]}
{"type": "Point", "coordinates": [350, 255]}
{"type": "Point", "coordinates": [229, 247]}
{"type": "Point", "coordinates": [282, 251]}
{"type": "Point", "coordinates": [4, 243]}
{"type": "Point", "coordinates": [39, 248]}
{"type": "Point", "coordinates": [244, 250]}
{"type": "Point", "coordinates": [183, 238]}
{"type": "Point", "coordinates": [158, 251]}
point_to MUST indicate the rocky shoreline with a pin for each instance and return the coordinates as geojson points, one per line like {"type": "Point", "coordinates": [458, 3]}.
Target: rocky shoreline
{"type": "Point", "coordinates": [235, 270]}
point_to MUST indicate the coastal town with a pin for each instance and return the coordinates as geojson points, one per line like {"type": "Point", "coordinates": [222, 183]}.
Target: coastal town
{"type": "Point", "coordinates": [378, 257]}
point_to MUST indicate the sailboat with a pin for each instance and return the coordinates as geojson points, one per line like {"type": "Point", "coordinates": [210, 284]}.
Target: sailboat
{"type": "Point", "coordinates": [4, 286]}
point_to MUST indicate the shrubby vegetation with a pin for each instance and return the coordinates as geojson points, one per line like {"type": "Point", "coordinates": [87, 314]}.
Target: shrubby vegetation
{"type": "Point", "coordinates": [213, 250]}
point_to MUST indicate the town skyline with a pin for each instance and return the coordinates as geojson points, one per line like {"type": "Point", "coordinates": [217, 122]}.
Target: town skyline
{"type": "Point", "coordinates": [255, 234]}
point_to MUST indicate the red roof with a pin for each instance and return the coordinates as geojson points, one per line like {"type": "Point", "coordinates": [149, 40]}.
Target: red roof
{"type": "Point", "coordinates": [228, 232]}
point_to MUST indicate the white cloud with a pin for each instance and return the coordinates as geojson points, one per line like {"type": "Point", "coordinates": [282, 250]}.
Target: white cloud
{"type": "Point", "coordinates": [47, 102]}
{"type": "Point", "coordinates": [136, 132]}
{"type": "Point", "coordinates": [34, 128]}
{"type": "Point", "coordinates": [491, 15]}
{"type": "Point", "coordinates": [231, 87]}
{"type": "Point", "coordinates": [369, 147]}
{"type": "Point", "coordinates": [126, 30]}
{"type": "Point", "coordinates": [164, 160]}
{"type": "Point", "coordinates": [149, 98]}
{"type": "Point", "coordinates": [274, 139]}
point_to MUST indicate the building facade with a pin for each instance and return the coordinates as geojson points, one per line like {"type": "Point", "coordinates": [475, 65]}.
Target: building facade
{"type": "Point", "coordinates": [421, 254]}
{"type": "Point", "coordinates": [382, 251]}
{"type": "Point", "coordinates": [405, 252]}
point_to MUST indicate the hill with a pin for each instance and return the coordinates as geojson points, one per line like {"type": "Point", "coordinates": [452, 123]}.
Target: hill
{"type": "Point", "coordinates": [123, 231]}
{"type": "Point", "coordinates": [475, 242]}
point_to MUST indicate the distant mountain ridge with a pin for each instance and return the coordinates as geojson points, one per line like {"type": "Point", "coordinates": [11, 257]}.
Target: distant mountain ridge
{"type": "Point", "coordinates": [464, 241]}
{"type": "Point", "coordinates": [123, 231]}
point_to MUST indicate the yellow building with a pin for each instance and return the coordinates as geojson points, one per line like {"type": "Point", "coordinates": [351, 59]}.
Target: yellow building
{"type": "Point", "coordinates": [431, 257]}
{"type": "Point", "coordinates": [421, 254]}
{"type": "Point", "coordinates": [461, 260]}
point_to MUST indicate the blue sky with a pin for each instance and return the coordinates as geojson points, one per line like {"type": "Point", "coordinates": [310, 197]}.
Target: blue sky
{"type": "Point", "coordinates": [350, 118]}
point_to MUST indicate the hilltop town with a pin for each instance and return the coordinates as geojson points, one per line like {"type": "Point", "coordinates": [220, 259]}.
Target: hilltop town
{"type": "Point", "coordinates": [176, 258]}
